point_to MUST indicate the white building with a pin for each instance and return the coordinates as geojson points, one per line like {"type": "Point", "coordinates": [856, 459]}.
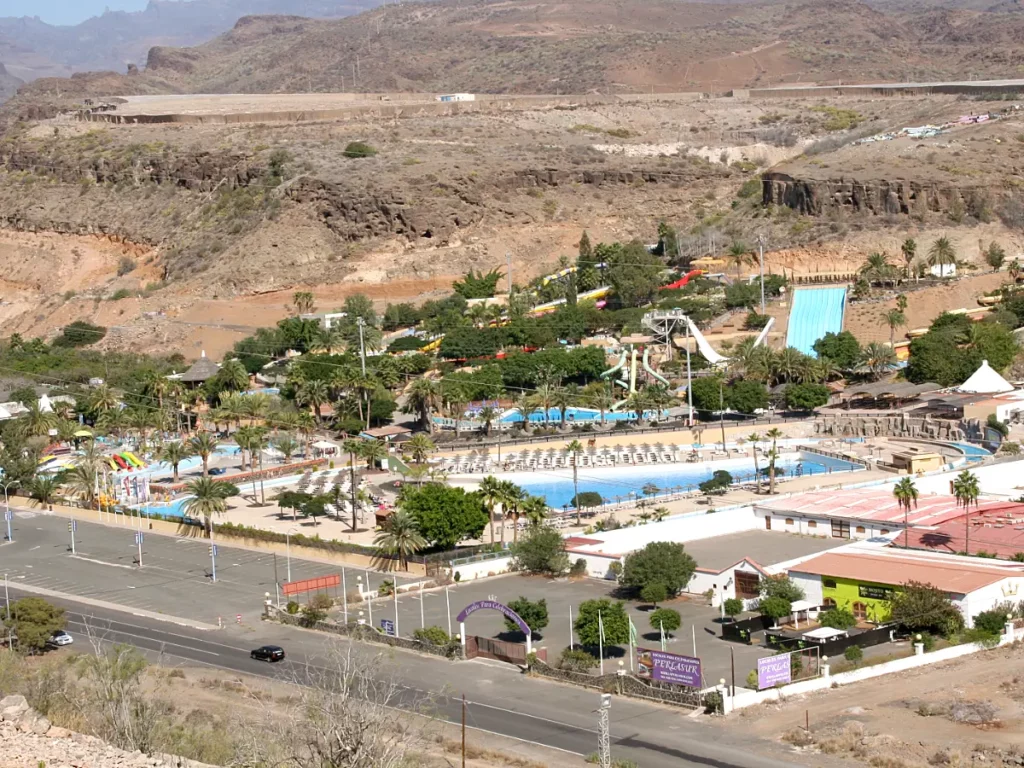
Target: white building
{"type": "Point", "coordinates": [457, 97]}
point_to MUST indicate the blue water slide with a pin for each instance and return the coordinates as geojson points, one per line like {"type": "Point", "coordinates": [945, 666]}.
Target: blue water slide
{"type": "Point", "coordinates": [815, 312]}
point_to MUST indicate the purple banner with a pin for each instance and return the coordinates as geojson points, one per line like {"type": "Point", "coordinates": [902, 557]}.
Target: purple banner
{"type": "Point", "coordinates": [669, 668]}
{"type": "Point", "coordinates": [493, 605]}
{"type": "Point", "coordinates": [772, 670]}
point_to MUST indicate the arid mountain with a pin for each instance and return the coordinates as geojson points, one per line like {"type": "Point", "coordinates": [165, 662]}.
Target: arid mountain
{"type": "Point", "coordinates": [8, 83]}
{"type": "Point", "coordinates": [577, 46]}
{"type": "Point", "coordinates": [118, 38]}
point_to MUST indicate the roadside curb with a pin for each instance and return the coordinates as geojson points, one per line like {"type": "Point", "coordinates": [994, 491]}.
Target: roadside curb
{"type": "Point", "coordinates": [115, 607]}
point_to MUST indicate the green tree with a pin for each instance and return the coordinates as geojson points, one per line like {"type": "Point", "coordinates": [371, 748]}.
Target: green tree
{"type": "Point", "coordinates": [909, 251]}
{"type": "Point", "coordinates": [535, 614]}
{"type": "Point", "coordinates": [995, 256]}
{"type": "Point", "coordinates": [303, 303]}
{"type": "Point", "coordinates": [665, 618]}
{"type": "Point", "coordinates": [45, 489]}
{"type": "Point", "coordinates": [540, 550]}
{"type": "Point", "coordinates": [781, 586]}
{"type": "Point", "coordinates": [837, 618]}
{"type": "Point", "coordinates": [894, 318]}
{"type": "Point", "coordinates": [33, 621]}
{"type": "Point", "coordinates": [774, 607]}
{"type": "Point", "coordinates": [842, 348]}
{"type": "Point", "coordinates": [445, 516]}
{"type": "Point", "coordinates": [905, 493]}
{"type": "Point", "coordinates": [634, 274]}
{"type": "Point", "coordinates": [399, 539]}
{"type": "Point", "coordinates": [877, 360]}
{"type": "Point", "coordinates": [966, 489]}
{"type": "Point", "coordinates": [747, 396]}
{"type": "Point", "coordinates": [613, 618]}
{"type": "Point", "coordinates": [587, 276]}
{"type": "Point", "coordinates": [655, 592]}
{"type": "Point", "coordinates": [208, 499]}
{"type": "Point", "coordinates": [806, 397]}
{"type": "Point", "coordinates": [477, 285]}
{"type": "Point", "coordinates": [991, 622]}
{"type": "Point", "coordinates": [733, 607]}
{"type": "Point", "coordinates": [719, 482]}
{"type": "Point", "coordinates": [662, 562]}
{"type": "Point", "coordinates": [203, 445]}
{"type": "Point", "coordinates": [919, 607]}
{"type": "Point", "coordinates": [942, 253]}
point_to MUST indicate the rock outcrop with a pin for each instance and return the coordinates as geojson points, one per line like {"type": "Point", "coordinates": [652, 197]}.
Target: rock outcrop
{"type": "Point", "coordinates": [28, 740]}
{"type": "Point", "coordinates": [816, 197]}
{"type": "Point", "coordinates": [891, 426]}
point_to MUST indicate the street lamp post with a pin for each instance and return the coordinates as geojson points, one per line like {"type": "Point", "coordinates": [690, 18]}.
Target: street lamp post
{"type": "Point", "coordinates": [761, 240]}
{"type": "Point", "coordinates": [7, 510]}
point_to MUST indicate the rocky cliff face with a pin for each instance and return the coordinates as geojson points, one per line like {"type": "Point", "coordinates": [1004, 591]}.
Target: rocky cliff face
{"type": "Point", "coordinates": [816, 197]}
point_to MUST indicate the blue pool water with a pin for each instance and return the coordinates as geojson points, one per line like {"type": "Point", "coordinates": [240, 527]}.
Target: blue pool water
{"type": "Point", "coordinates": [815, 312]}
{"type": "Point", "coordinates": [612, 482]}
{"type": "Point", "coordinates": [160, 468]}
{"type": "Point", "coordinates": [973, 452]}
{"type": "Point", "coordinates": [576, 414]}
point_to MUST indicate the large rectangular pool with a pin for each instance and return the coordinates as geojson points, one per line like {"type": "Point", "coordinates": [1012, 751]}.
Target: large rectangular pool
{"type": "Point", "coordinates": [616, 483]}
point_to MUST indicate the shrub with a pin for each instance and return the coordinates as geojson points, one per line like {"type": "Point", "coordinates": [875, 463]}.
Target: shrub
{"type": "Point", "coordinates": [665, 618]}
{"type": "Point", "coordinates": [125, 265]}
{"type": "Point", "coordinates": [120, 293]}
{"type": "Point", "coordinates": [775, 607]}
{"type": "Point", "coordinates": [991, 621]}
{"type": "Point", "coordinates": [837, 618]}
{"type": "Point", "coordinates": [733, 607]}
{"type": "Point", "coordinates": [432, 636]}
{"type": "Point", "coordinates": [660, 562]}
{"type": "Point", "coordinates": [579, 568]}
{"type": "Point", "coordinates": [755, 321]}
{"type": "Point", "coordinates": [292, 607]}
{"type": "Point", "coordinates": [752, 679]}
{"type": "Point", "coordinates": [576, 660]}
{"type": "Point", "coordinates": [616, 569]}
{"type": "Point", "coordinates": [654, 593]}
{"type": "Point", "coordinates": [587, 499]}
{"type": "Point", "coordinates": [854, 655]}
{"type": "Point", "coordinates": [359, 149]}
{"type": "Point", "coordinates": [79, 334]}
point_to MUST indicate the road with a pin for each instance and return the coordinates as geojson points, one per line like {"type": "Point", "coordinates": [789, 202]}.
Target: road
{"type": "Point", "coordinates": [175, 577]}
{"type": "Point", "coordinates": [500, 699]}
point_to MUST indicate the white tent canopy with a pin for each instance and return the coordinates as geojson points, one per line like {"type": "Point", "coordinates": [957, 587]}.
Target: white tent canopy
{"type": "Point", "coordinates": [985, 381]}
{"type": "Point", "coordinates": [45, 406]}
{"type": "Point", "coordinates": [323, 445]}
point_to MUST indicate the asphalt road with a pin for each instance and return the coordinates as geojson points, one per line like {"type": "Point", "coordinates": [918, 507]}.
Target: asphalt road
{"type": "Point", "coordinates": [500, 699]}
{"type": "Point", "coordinates": [175, 577]}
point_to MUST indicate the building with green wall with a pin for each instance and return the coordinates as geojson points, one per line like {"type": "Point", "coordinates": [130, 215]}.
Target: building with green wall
{"type": "Point", "coordinates": [865, 600]}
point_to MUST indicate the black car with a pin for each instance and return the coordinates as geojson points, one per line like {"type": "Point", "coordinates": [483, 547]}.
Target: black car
{"type": "Point", "coordinates": [268, 653]}
{"type": "Point", "coordinates": [217, 470]}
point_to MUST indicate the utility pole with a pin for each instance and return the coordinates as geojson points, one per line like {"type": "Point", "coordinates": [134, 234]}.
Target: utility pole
{"type": "Point", "coordinates": [604, 739]}
{"type": "Point", "coordinates": [361, 323]}
{"type": "Point", "coordinates": [721, 410]}
{"type": "Point", "coordinates": [689, 379]}
{"type": "Point", "coordinates": [761, 239]}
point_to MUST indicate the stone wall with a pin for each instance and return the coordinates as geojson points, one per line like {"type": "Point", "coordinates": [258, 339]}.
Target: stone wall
{"type": "Point", "coordinates": [861, 425]}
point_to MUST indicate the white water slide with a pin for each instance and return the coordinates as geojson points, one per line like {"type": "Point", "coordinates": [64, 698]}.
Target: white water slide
{"type": "Point", "coordinates": [713, 357]}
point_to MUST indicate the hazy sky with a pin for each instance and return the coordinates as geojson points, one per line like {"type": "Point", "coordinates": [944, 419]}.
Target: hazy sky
{"type": "Point", "coordinates": [66, 11]}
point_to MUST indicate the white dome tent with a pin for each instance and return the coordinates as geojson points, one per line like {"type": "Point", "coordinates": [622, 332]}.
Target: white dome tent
{"type": "Point", "coordinates": [985, 381]}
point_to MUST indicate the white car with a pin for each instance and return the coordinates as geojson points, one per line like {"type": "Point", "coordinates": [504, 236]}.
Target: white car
{"type": "Point", "coordinates": [60, 637]}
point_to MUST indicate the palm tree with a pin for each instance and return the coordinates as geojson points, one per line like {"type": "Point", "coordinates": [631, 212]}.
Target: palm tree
{"type": "Point", "coordinates": [740, 254]}
{"type": "Point", "coordinates": [256, 407]}
{"type": "Point", "coordinates": [544, 398]}
{"type": "Point", "coordinates": [755, 438]}
{"type": "Point", "coordinates": [312, 393]}
{"type": "Point", "coordinates": [772, 434]}
{"type": "Point", "coordinates": [823, 370]}
{"type": "Point", "coordinates": [202, 445]}
{"type": "Point", "coordinates": [602, 400]}
{"type": "Point", "coordinates": [574, 449]}
{"type": "Point", "coordinates": [1014, 271]}
{"type": "Point", "coordinates": [45, 489]}
{"type": "Point", "coordinates": [103, 399]}
{"type": "Point", "coordinates": [82, 480]}
{"type": "Point", "coordinates": [174, 453]}
{"type": "Point", "coordinates": [659, 514]}
{"type": "Point", "coordinates": [330, 339]}
{"type": "Point", "coordinates": [638, 402]}
{"type": "Point", "coordinates": [232, 375]}
{"type": "Point", "coordinates": [524, 407]}
{"type": "Point", "coordinates": [37, 422]}
{"type": "Point", "coordinates": [373, 451]}
{"type": "Point", "coordinates": [562, 399]}
{"type": "Point", "coordinates": [419, 446]}
{"type": "Point", "coordinates": [877, 360]}
{"type": "Point", "coordinates": [232, 406]}
{"type": "Point", "coordinates": [894, 318]}
{"type": "Point", "coordinates": [456, 408]}
{"type": "Point", "coordinates": [490, 493]}
{"type": "Point", "coordinates": [966, 490]}
{"type": "Point", "coordinates": [909, 251]}
{"type": "Point", "coordinates": [942, 253]}
{"type": "Point", "coordinates": [287, 445]}
{"type": "Point", "coordinates": [876, 268]}
{"type": "Point", "coordinates": [511, 497]}
{"type": "Point", "coordinates": [399, 538]}
{"type": "Point", "coordinates": [305, 423]}
{"type": "Point", "coordinates": [208, 498]}
{"type": "Point", "coordinates": [488, 415]}
{"type": "Point", "coordinates": [534, 509]}
{"type": "Point", "coordinates": [114, 421]}
{"type": "Point", "coordinates": [423, 398]}
{"type": "Point", "coordinates": [789, 364]}
{"type": "Point", "coordinates": [905, 493]}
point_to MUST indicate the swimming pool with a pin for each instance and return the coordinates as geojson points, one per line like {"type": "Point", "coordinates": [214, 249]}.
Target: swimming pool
{"type": "Point", "coordinates": [159, 467]}
{"type": "Point", "coordinates": [973, 452]}
{"type": "Point", "coordinates": [617, 483]}
{"type": "Point", "coordinates": [577, 414]}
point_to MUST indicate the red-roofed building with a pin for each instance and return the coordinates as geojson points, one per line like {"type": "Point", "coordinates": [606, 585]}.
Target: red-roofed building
{"type": "Point", "coordinates": [864, 513]}
{"type": "Point", "coordinates": [995, 530]}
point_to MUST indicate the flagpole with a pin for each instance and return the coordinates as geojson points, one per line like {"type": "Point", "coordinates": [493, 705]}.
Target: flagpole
{"type": "Point", "coordinates": [632, 656]}
{"type": "Point", "coordinates": [600, 640]}
{"type": "Point", "coordinates": [694, 629]}
{"type": "Point", "coordinates": [662, 634]}
{"type": "Point", "coordinates": [570, 627]}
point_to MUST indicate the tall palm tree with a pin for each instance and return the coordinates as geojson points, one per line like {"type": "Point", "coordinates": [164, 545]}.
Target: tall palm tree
{"type": "Point", "coordinates": [788, 364]}
{"type": "Point", "coordinates": [491, 493]}
{"type": "Point", "coordinates": [232, 406]}
{"type": "Point", "coordinates": [37, 422]}
{"type": "Point", "coordinates": [740, 254]}
{"type": "Point", "coordinates": [534, 509]}
{"type": "Point", "coordinates": [256, 407]}
{"type": "Point", "coordinates": [772, 434]}
{"type": "Point", "coordinates": [574, 448]}
{"type": "Point", "coordinates": [544, 398]}
{"type": "Point", "coordinates": [905, 493]}
{"type": "Point", "coordinates": [174, 453]}
{"type": "Point", "coordinates": [305, 423]}
{"type": "Point", "coordinates": [312, 393]}
{"type": "Point", "coordinates": [562, 399]}
{"type": "Point", "coordinates": [423, 398]}
{"type": "Point", "coordinates": [420, 447]}
{"type": "Point", "coordinates": [114, 421]}
{"type": "Point", "coordinates": [876, 268]}
{"type": "Point", "coordinates": [103, 399]}
{"type": "Point", "coordinates": [512, 496]}
{"type": "Point", "coordinates": [46, 489]}
{"type": "Point", "coordinates": [942, 253]}
{"type": "Point", "coordinates": [966, 490]}
{"type": "Point", "coordinates": [524, 407]}
{"type": "Point", "coordinates": [208, 498]}
{"type": "Point", "coordinates": [399, 538]}
{"type": "Point", "coordinates": [257, 441]}
{"type": "Point", "coordinates": [601, 400]}
{"type": "Point", "coordinates": [754, 438]}
{"type": "Point", "coordinates": [287, 445]}
{"type": "Point", "coordinates": [894, 318]}
{"type": "Point", "coordinates": [373, 451]}
{"type": "Point", "coordinates": [202, 445]}
{"type": "Point", "coordinates": [456, 408]}
{"type": "Point", "coordinates": [83, 481]}
{"type": "Point", "coordinates": [909, 251]}
{"type": "Point", "coordinates": [232, 375]}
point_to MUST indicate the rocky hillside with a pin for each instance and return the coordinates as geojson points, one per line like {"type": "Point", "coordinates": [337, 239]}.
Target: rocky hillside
{"type": "Point", "coordinates": [500, 46]}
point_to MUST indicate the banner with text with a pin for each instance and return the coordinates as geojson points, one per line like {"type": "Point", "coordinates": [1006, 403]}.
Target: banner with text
{"type": "Point", "coordinates": [773, 670]}
{"type": "Point", "coordinates": [669, 668]}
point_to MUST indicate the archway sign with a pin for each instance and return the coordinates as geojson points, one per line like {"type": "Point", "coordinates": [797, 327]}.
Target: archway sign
{"type": "Point", "coordinates": [494, 605]}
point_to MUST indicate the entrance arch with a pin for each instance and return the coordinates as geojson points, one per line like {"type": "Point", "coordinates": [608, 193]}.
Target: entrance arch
{"type": "Point", "coordinates": [493, 605]}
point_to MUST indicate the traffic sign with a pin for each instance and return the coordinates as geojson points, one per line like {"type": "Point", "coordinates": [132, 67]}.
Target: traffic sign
{"type": "Point", "coordinates": [73, 526]}
{"type": "Point", "coordinates": [138, 538]}
{"type": "Point", "coordinates": [8, 515]}
{"type": "Point", "coordinates": [388, 626]}
{"type": "Point", "coordinates": [213, 550]}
